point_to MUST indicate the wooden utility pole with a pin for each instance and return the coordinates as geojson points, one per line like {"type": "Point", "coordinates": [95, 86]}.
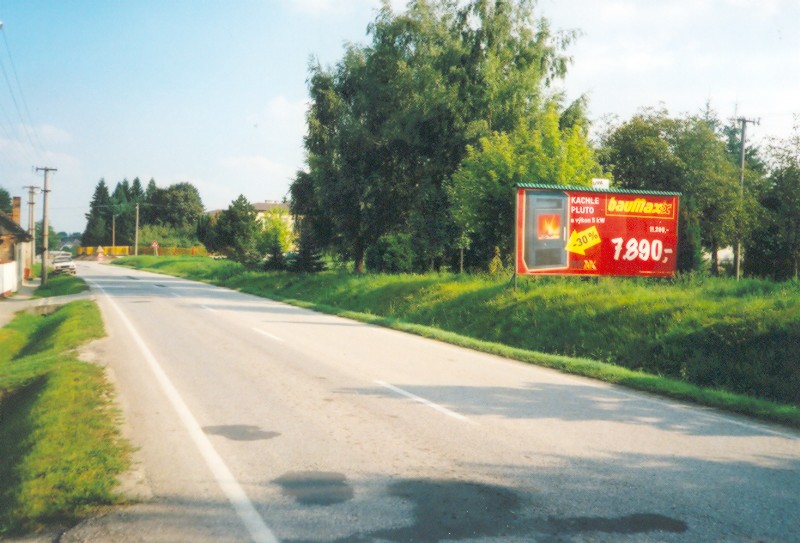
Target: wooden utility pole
{"type": "Point", "coordinates": [45, 224]}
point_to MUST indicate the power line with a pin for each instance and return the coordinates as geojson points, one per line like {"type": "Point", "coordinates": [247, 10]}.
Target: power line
{"type": "Point", "coordinates": [25, 126]}
{"type": "Point", "coordinates": [38, 140]}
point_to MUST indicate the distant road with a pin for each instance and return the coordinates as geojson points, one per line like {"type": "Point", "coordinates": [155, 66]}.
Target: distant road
{"type": "Point", "coordinates": [264, 422]}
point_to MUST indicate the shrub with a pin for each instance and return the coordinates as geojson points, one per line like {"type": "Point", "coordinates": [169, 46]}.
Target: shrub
{"type": "Point", "coordinates": [391, 253]}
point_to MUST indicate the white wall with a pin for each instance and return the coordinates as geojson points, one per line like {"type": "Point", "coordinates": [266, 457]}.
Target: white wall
{"type": "Point", "coordinates": [8, 278]}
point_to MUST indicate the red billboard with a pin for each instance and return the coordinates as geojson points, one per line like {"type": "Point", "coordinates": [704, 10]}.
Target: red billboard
{"type": "Point", "coordinates": [582, 231]}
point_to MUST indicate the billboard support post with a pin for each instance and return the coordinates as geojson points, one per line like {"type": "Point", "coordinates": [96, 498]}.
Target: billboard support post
{"type": "Point", "coordinates": [516, 233]}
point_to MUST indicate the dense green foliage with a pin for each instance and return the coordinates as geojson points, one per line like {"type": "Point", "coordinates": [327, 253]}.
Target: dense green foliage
{"type": "Point", "coordinates": [246, 236]}
{"type": "Point", "coordinates": [59, 443]}
{"type": "Point", "coordinates": [653, 151]}
{"type": "Point", "coordinates": [773, 249]}
{"type": "Point", "coordinates": [482, 189]}
{"type": "Point", "coordinates": [391, 123]}
{"type": "Point", "coordinates": [275, 239]}
{"type": "Point", "coordinates": [308, 258]}
{"type": "Point", "coordinates": [700, 157]}
{"type": "Point", "coordinates": [391, 253]}
{"type": "Point", "coordinates": [707, 332]}
{"type": "Point", "coordinates": [236, 231]}
{"type": "Point", "coordinates": [172, 214]}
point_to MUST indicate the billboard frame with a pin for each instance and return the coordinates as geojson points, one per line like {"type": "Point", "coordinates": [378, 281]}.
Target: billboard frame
{"type": "Point", "coordinates": [582, 220]}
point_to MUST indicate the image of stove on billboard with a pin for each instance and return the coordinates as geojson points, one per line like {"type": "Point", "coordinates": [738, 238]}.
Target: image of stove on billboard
{"type": "Point", "coordinates": [567, 230]}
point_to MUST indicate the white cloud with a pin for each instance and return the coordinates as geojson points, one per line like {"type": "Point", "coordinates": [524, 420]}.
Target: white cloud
{"type": "Point", "coordinates": [282, 125]}
{"type": "Point", "coordinates": [257, 177]}
{"type": "Point", "coordinates": [283, 112]}
{"type": "Point", "coordinates": [257, 166]}
{"type": "Point", "coordinates": [53, 135]}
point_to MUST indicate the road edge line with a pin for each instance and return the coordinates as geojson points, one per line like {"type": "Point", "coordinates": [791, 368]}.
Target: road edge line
{"type": "Point", "coordinates": [236, 495]}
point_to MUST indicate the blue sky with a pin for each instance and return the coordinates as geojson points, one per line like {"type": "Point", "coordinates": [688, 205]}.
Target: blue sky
{"type": "Point", "coordinates": [214, 92]}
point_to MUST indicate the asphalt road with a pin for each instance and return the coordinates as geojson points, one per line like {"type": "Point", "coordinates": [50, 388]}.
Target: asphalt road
{"type": "Point", "coordinates": [264, 422]}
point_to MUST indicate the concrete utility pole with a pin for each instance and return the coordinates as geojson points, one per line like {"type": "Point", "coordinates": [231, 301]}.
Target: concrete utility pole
{"type": "Point", "coordinates": [45, 224]}
{"type": "Point", "coordinates": [31, 225]}
{"type": "Point", "coordinates": [743, 122]}
{"type": "Point", "coordinates": [136, 235]}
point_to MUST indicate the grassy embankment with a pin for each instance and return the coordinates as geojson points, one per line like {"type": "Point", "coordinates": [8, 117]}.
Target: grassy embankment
{"type": "Point", "coordinates": [712, 341]}
{"type": "Point", "coordinates": [60, 447]}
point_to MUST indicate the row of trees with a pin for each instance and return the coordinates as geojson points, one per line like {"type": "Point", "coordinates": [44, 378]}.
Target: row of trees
{"type": "Point", "coordinates": [700, 157]}
{"type": "Point", "coordinates": [415, 143]}
{"type": "Point", "coordinates": [169, 215]}
{"type": "Point", "coordinates": [393, 121]}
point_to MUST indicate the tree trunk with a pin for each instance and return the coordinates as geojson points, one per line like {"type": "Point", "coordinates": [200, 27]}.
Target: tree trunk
{"type": "Point", "coordinates": [358, 258]}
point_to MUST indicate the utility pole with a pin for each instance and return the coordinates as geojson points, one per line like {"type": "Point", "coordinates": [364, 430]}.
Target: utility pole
{"type": "Point", "coordinates": [136, 235]}
{"type": "Point", "coordinates": [31, 225]}
{"type": "Point", "coordinates": [743, 121]}
{"type": "Point", "coordinates": [45, 224]}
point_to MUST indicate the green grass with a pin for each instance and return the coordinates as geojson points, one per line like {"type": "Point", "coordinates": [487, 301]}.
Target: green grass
{"type": "Point", "coordinates": [59, 443]}
{"type": "Point", "coordinates": [708, 340]}
{"type": "Point", "coordinates": [61, 285]}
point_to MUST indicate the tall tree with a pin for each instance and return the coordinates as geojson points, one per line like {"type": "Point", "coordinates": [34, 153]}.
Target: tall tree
{"type": "Point", "coordinates": [654, 151]}
{"type": "Point", "coordinates": [137, 195]}
{"type": "Point", "coordinates": [390, 123]}
{"type": "Point", "coordinates": [773, 248]}
{"type": "Point", "coordinates": [711, 178]}
{"type": "Point", "coordinates": [122, 213]}
{"type": "Point", "coordinates": [149, 214]}
{"type": "Point", "coordinates": [238, 229]}
{"type": "Point", "coordinates": [98, 224]}
{"type": "Point", "coordinates": [178, 205]}
{"type": "Point", "coordinates": [482, 189]}
{"type": "Point", "coordinates": [97, 230]}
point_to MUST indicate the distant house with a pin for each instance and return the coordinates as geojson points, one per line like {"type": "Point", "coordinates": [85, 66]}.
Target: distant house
{"type": "Point", "coordinates": [265, 208]}
{"type": "Point", "coordinates": [13, 243]}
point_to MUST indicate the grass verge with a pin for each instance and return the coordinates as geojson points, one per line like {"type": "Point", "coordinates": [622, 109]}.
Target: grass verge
{"type": "Point", "coordinates": [59, 442]}
{"type": "Point", "coordinates": [713, 342]}
{"type": "Point", "coordinates": [61, 285]}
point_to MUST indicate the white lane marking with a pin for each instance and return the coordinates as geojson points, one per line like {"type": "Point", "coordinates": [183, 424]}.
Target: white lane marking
{"type": "Point", "coordinates": [259, 531]}
{"type": "Point", "coordinates": [208, 308]}
{"type": "Point", "coordinates": [267, 334]}
{"type": "Point", "coordinates": [423, 401]}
